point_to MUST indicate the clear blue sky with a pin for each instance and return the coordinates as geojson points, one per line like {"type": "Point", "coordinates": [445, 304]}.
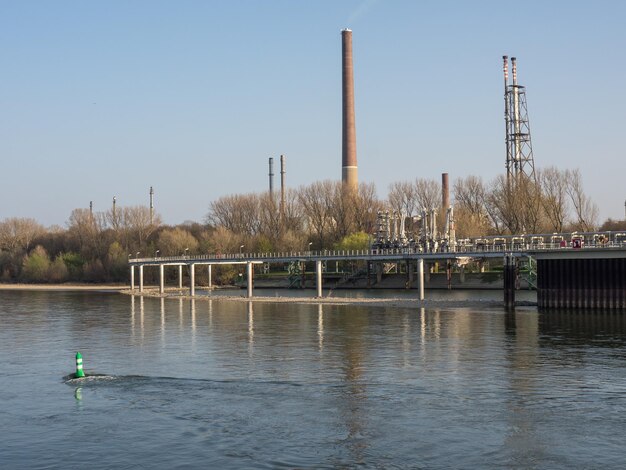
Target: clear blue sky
{"type": "Point", "coordinates": [192, 97]}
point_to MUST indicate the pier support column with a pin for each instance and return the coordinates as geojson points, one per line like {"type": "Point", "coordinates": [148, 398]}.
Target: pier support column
{"type": "Point", "coordinates": [161, 279]}
{"type": "Point", "coordinates": [509, 282]}
{"type": "Point", "coordinates": [192, 279]}
{"type": "Point", "coordinates": [209, 272]}
{"type": "Point", "coordinates": [132, 277]}
{"type": "Point", "coordinates": [141, 278]}
{"type": "Point", "coordinates": [420, 276]}
{"type": "Point", "coordinates": [249, 276]}
{"type": "Point", "coordinates": [409, 273]}
{"type": "Point", "coordinates": [379, 273]}
{"type": "Point", "coordinates": [180, 276]}
{"type": "Point", "coordinates": [318, 277]}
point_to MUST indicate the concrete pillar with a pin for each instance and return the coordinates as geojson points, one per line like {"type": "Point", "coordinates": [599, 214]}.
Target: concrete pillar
{"type": "Point", "coordinates": [209, 271]}
{"type": "Point", "coordinates": [161, 279]}
{"type": "Point", "coordinates": [192, 279]}
{"type": "Point", "coordinates": [318, 277]}
{"type": "Point", "coordinates": [132, 277]}
{"type": "Point", "coordinates": [249, 278]}
{"type": "Point", "coordinates": [420, 276]}
{"type": "Point", "coordinates": [409, 271]}
{"type": "Point", "coordinates": [180, 276]}
{"type": "Point", "coordinates": [141, 278]}
{"type": "Point", "coordinates": [509, 282]}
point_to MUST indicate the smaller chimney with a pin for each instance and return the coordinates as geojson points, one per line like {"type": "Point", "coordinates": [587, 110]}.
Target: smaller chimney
{"type": "Point", "coordinates": [282, 188]}
{"type": "Point", "coordinates": [91, 208]}
{"type": "Point", "coordinates": [271, 162]}
{"type": "Point", "coordinates": [505, 68]}
{"type": "Point", "coordinates": [445, 191]}
{"type": "Point", "coordinates": [514, 68]}
{"type": "Point", "coordinates": [151, 205]}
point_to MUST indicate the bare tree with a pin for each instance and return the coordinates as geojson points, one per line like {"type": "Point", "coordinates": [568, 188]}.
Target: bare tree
{"type": "Point", "coordinates": [427, 193]}
{"type": "Point", "coordinates": [470, 211]}
{"type": "Point", "coordinates": [86, 228]}
{"type": "Point", "coordinates": [175, 241]}
{"type": "Point", "coordinates": [585, 210]}
{"type": "Point", "coordinates": [366, 208]}
{"type": "Point", "coordinates": [316, 201]}
{"type": "Point", "coordinates": [238, 212]}
{"type": "Point", "coordinates": [553, 183]}
{"type": "Point", "coordinates": [17, 234]}
{"type": "Point", "coordinates": [515, 207]}
{"type": "Point", "coordinates": [271, 226]}
{"type": "Point", "coordinates": [402, 198]}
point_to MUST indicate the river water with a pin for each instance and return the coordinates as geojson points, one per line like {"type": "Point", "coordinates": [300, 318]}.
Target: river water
{"type": "Point", "coordinates": [223, 384]}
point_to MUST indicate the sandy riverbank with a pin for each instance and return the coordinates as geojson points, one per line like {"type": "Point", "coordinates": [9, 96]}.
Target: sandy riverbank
{"type": "Point", "coordinates": [177, 294]}
{"type": "Point", "coordinates": [66, 287]}
{"type": "Point", "coordinates": [372, 302]}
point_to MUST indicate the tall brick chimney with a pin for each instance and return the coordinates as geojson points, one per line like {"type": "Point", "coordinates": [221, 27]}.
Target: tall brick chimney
{"type": "Point", "coordinates": [349, 171]}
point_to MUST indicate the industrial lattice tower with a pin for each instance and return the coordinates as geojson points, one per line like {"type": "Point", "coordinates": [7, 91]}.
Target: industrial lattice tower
{"type": "Point", "coordinates": [519, 149]}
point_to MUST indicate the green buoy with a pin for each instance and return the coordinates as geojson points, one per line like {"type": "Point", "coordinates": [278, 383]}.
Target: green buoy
{"type": "Point", "coordinates": [79, 366]}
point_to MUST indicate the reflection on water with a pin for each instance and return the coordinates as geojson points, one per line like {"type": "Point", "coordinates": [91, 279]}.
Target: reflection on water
{"type": "Point", "coordinates": [250, 328]}
{"type": "Point", "coordinates": [243, 384]}
{"type": "Point", "coordinates": [320, 327]}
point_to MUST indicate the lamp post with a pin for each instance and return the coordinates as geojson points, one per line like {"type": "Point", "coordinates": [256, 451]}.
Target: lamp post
{"type": "Point", "coordinates": [310, 243]}
{"type": "Point", "coordinates": [186, 251]}
{"type": "Point", "coordinates": [137, 254]}
{"type": "Point", "coordinates": [240, 251]}
{"type": "Point", "coordinates": [156, 253]}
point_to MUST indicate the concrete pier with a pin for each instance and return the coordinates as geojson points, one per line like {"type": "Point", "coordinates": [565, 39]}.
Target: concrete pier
{"type": "Point", "coordinates": [318, 278]}
{"type": "Point", "coordinates": [192, 279]}
{"type": "Point", "coordinates": [141, 278]}
{"type": "Point", "coordinates": [420, 276]}
{"type": "Point", "coordinates": [161, 279]}
{"type": "Point", "coordinates": [249, 278]}
{"type": "Point", "coordinates": [510, 277]}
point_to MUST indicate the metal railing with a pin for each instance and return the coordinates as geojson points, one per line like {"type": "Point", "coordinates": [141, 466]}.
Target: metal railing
{"type": "Point", "coordinates": [476, 248]}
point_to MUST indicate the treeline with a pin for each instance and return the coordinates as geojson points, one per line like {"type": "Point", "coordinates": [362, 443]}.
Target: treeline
{"type": "Point", "coordinates": [95, 247]}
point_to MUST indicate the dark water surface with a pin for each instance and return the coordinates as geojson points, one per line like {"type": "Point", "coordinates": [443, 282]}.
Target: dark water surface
{"type": "Point", "coordinates": [199, 384]}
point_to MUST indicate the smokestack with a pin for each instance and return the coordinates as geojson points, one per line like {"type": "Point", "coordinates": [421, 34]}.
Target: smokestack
{"type": "Point", "coordinates": [349, 175]}
{"type": "Point", "coordinates": [505, 69]}
{"type": "Point", "coordinates": [91, 208]}
{"type": "Point", "coordinates": [151, 205]}
{"type": "Point", "coordinates": [113, 207]}
{"type": "Point", "coordinates": [445, 191]}
{"type": "Point", "coordinates": [514, 68]}
{"type": "Point", "coordinates": [271, 162]}
{"type": "Point", "coordinates": [282, 188]}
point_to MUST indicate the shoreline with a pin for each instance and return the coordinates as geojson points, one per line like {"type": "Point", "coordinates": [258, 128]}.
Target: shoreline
{"type": "Point", "coordinates": [177, 294]}
{"type": "Point", "coordinates": [371, 302]}
{"type": "Point", "coordinates": [65, 287]}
